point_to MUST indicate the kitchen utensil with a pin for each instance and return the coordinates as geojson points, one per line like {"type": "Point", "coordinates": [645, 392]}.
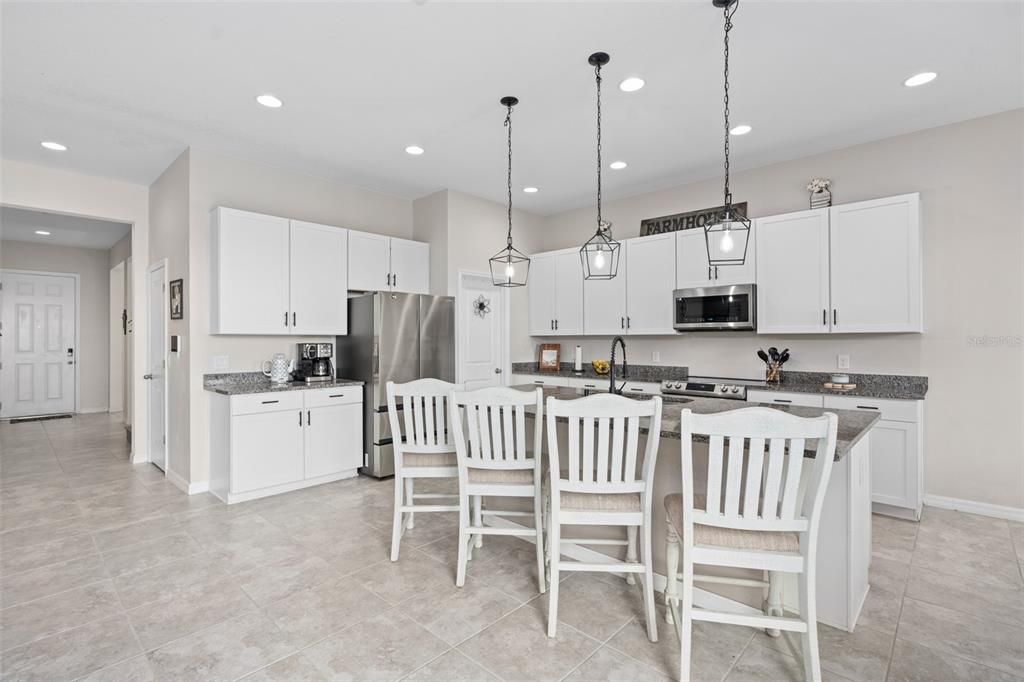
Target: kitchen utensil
{"type": "Point", "coordinates": [773, 353]}
{"type": "Point", "coordinates": [761, 354]}
{"type": "Point", "coordinates": [276, 368]}
{"type": "Point", "coordinates": [784, 357]}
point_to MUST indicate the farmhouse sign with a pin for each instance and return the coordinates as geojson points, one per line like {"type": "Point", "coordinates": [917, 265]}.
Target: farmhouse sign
{"type": "Point", "coordinates": [685, 221]}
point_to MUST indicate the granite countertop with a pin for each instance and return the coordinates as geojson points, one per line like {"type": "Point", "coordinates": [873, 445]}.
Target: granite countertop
{"type": "Point", "coordinates": [637, 373]}
{"type": "Point", "coordinates": [244, 383]}
{"type": "Point", "coordinates": [889, 386]}
{"type": "Point", "coordinates": [853, 424]}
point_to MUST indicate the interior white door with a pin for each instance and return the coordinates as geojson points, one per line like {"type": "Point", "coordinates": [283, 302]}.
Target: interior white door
{"type": "Point", "coordinates": [410, 266]}
{"type": "Point", "coordinates": [569, 293]}
{"type": "Point", "coordinates": [156, 366]}
{"type": "Point", "coordinates": [368, 262]}
{"type": "Point", "coordinates": [540, 290]}
{"type": "Point", "coordinates": [319, 279]}
{"type": "Point", "coordinates": [650, 278]}
{"type": "Point", "coordinates": [481, 332]}
{"type": "Point", "coordinates": [692, 268]}
{"type": "Point", "coordinates": [38, 346]}
{"type": "Point", "coordinates": [792, 273]}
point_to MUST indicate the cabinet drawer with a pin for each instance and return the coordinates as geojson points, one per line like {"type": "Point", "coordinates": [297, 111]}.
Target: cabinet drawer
{"type": "Point", "coordinates": [781, 398]}
{"type": "Point", "coordinates": [893, 410]}
{"type": "Point", "coordinates": [541, 380]}
{"type": "Point", "coordinates": [340, 395]}
{"type": "Point", "coordinates": [266, 402]}
{"type": "Point", "coordinates": [639, 387]}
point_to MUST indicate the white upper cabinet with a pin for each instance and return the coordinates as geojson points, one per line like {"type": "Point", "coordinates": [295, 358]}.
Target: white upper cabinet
{"type": "Point", "coordinates": [604, 301]}
{"type": "Point", "coordinates": [319, 279]}
{"type": "Point", "coordinates": [369, 261]}
{"type": "Point", "coordinates": [568, 293]}
{"type": "Point", "coordinates": [249, 282]}
{"type": "Point", "coordinates": [792, 273]}
{"type": "Point", "coordinates": [541, 294]}
{"type": "Point", "coordinates": [410, 266]}
{"type": "Point", "coordinates": [379, 263]}
{"type": "Point", "coordinates": [876, 266]}
{"type": "Point", "coordinates": [692, 269]}
{"type": "Point", "coordinates": [649, 278]}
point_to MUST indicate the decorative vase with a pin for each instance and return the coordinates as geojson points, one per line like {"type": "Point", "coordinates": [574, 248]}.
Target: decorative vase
{"type": "Point", "coordinates": [822, 199]}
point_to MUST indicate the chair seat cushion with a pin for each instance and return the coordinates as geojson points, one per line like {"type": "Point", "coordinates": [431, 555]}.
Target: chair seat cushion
{"type": "Point", "coordinates": [428, 459]}
{"type": "Point", "coordinates": [594, 502]}
{"type": "Point", "coordinates": [500, 476]}
{"type": "Point", "coordinates": [732, 538]}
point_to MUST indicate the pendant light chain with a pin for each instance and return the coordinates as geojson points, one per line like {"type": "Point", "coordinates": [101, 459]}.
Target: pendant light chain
{"type": "Point", "coordinates": [508, 124]}
{"type": "Point", "coordinates": [727, 12]}
{"type": "Point", "coordinates": [597, 72]}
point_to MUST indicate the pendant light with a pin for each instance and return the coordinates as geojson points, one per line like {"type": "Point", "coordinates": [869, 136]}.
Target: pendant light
{"type": "Point", "coordinates": [600, 254]}
{"type": "Point", "coordinates": [727, 237]}
{"type": "Point", "coordinates": [509, 267]}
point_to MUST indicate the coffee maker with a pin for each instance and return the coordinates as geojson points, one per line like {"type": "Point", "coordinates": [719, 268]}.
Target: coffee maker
{"type": "Point", "coordinates": [314, 362]}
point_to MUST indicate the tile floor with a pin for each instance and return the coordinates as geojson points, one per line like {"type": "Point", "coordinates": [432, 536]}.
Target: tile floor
{"type": "Point", "coordinates": [108, 572]}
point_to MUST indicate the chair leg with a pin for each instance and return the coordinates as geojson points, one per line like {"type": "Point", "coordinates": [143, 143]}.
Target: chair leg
{"type": "Point", "coordinates": [686, 620]}
{"type": "Point", "coordinates": [478, 518]}
{"type": "Point", "coordinates": [547, 540]}
{"type": "Point", "coordinates": [648, 558]}
{"type": "Point", "coordinates": [555, 537]}
{"type": "Point", "coordinates": [408, 497]}
{"type": "Point", "coordinates": [398, 523]}
{"type": "Point", "coordinates": [631, 552]}
{"type": "Point", "coordinates": [809, 639]}
{"type": "Point", "coordinates": [464, 540]}
{"type": "Point", "coordinates": [538, 523]}
{"type": "Point", "coordinates": [773, 606]}
{"type": "Point", "coordinates": [671, 574]}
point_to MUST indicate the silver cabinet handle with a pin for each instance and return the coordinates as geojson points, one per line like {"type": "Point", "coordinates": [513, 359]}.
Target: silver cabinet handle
{"type": "Point", "coordinates": [147, 376]}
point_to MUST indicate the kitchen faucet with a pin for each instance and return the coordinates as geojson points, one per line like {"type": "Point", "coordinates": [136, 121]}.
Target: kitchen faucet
{"type": "Point", "coordinates": [625, 367]}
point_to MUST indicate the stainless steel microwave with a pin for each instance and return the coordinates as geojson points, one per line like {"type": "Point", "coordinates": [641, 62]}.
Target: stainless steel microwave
{"type": "Point", "coordinates": [729, 308]}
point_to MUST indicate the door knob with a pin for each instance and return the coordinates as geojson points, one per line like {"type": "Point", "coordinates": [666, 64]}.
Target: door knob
{"type": "Point", "coordinates": [497, 370]}
{"type": "Point", "coordinates": [147, 376]}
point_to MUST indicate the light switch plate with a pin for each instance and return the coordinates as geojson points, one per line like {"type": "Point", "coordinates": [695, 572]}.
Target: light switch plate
{"type": "Point", "coordinates": [842, 361]}
{"type": "Point", "coordinates": [655, 356]}
{"type": "Point", "coordinates": [220, 363]}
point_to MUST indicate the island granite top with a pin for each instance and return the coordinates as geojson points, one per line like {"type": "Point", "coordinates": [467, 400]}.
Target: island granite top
{"type": "Point", "coordinates": [853, 424]}
{"type": "Point", "coordinates": [244, 383]}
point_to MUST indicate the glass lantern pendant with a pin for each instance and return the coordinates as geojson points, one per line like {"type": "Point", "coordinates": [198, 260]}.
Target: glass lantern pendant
{"type": "Point", "coordinates": [509, 267]}
{"type": "Point", "coordinates": [727, 237]}
{"type": "Point", "coordinates": [600, 254]}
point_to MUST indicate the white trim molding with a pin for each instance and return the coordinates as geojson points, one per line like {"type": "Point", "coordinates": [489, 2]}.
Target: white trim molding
{"type": "Point", "coordinates": [981, 508]}
{"type": "Point", "coordinates": [179, 482]}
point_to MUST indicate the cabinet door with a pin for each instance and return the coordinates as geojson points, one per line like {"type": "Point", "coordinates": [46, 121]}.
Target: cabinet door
{"type": "Point", "coordinates": [540, 290]}
{"type": "Point", "coordinates": [319, 279]}
{"type": "Point", "coordinates": [368, 261]}
{"type": "Point", "coordinates": [881, 237]}
{"type": "Point", "coordinates": [604, 303]}
{"type": "Point", "coordinates": [727, 275]}
{"type": "Point", "coordinates": [894, 461]}
{"type": "Point", "coordinates": [410, 266]}
{"type": "Point", "coordinates": [781, 398]}
{"type": "Point", "coordinates": [250, 273]}
{"type": "Point", "coordinates": [792, 273]}
{"type": "Point", "coordinates": [692, 268]}
{"type": "Point", "coordinates": [650, 279]}
{"type": "Point", "coordinates": [569, 293]}
{"type": "Point", "coordinates": [333, 440]}
{"type": "Point", "coordinates": [266, 450]}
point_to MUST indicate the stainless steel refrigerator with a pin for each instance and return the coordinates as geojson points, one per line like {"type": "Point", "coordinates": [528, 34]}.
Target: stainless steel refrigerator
{"type": "Point", "coordinates": [393, 337]}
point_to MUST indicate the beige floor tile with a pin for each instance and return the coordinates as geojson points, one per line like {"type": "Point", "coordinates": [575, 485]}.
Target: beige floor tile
{"type": "Point", "coordinates": [915, 663]}
{"type": "Point", "coordinates": [167, 580]}
{"type": "Point", "coordinates": [861, 655]}
{"type": "Point", "coordinates": [312, 614]}
{"type": "Point", "coordinates": [25, 515]}
{"type": "Point", "coordinates": [595, 606]}
{"type": "Point", "coordinates": [223, 652]}
{"type": "Point", "coordinates": [386, 647]}
{"type": "Point", "coordinates": [982, 560]}
{"type": "Point", "coordinates": [463, 613]}
{"type": "Point", "coordinates": [36, 535]}
{"type": "Point", "coordinates": [135, 532]}
{"type": "Point", "coordinates": [415, 574]}
{"type": "Point", "coordinates": [295, 668]}
{"type": "Point", "coordinates": [29, 585]}
{"type": "Point", "coordinates": [759, 663]}
{"type": "Point", "coordinates": [881, 610]}
{"type": "Point", "coordinates": [981, 640]}
{"type": "Point", "coordinates": [73, 653]}
{"type": "Point", "coordinates": [265, 584]}
{"type": "Point", "coordinates": [252, 552]}
{"type": "Point", "coordinates": [947, 520]}
{"type": "Point", "coordinates": [451, 666]}
{"type": "Point", "coordinates": [518, 647]}
{"type": "Point", "coordinates": [513, 571]}
{"type": "Point", "coordinates": [150, 553]}
{"type": "Point", "coordinates": [715, 647]}
{"type": "Point", "coordinates": [982, 600]}
{"type": "Point", "coordinates": [350, 551]}
{"type": "Point", "coordinates": [608, 665]}
{"type": "Point", "coordinates": [55, 551]}
{"type": "Point", "coordinates": [135, 669]}
{"type": "Point", "coordinates": [219, 525]}
{"type": "Point", "coordinates": [50, 615]}
{"type": "Point", "coordinates": [188, 611]}
{"type": "Point", "coordinates": [888, 575]}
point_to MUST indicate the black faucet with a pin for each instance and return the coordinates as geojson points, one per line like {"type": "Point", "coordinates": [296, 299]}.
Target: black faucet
{"type": "Point", "coordinates": [625, 366]}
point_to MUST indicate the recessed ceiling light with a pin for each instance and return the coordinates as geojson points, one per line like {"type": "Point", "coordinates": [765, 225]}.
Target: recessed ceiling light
{"type": "Point", "coordinates": [617, 165]}
{"type": "Point", "coordinates": [43, 232]}
{"type": "Point", "coordinates": [269, 101]}
{"type": "Point", "coordinates": [920, 79]}
{"type": "Point", "coordinates": [530, 190]}
{"type": "Point", "coordinates": [414, 150]}
{"type": "Point", "coordinates": [54, 146]}
{"type": "Point", "coordinates": [740, 130]}
{"type": "Point", "coordinates": [631, 84]}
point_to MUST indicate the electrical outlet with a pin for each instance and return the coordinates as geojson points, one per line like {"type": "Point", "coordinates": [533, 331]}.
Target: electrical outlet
{"type": "Point", "coordinates": [842, 361]}
{"type": "Point", "coordinates": [220, 363]}
{"type": "Point", "coordinates": [655, 356]}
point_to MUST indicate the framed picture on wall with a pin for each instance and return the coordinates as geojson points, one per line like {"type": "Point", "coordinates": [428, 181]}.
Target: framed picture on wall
{"type": "Point", "coordinates": [177, 299]}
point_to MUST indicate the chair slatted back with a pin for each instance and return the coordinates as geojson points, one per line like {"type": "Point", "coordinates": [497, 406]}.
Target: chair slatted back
{"type": "Point", "coordinates": [756, 458]}
{"type": "Point", "coordinates": [424, 423]}
{"type": "Point", "coordinates": [489, 427]}
{"type": "Point", "coordinates": [604, 442]}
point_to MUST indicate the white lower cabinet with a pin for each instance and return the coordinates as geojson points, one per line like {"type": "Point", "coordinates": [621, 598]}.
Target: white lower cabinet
{"type": "Point", "coordinates": [781, 398]}
{"type": "Point", "coordinates": [268, 443]}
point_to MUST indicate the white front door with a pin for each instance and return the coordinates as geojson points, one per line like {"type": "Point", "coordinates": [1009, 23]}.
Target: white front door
{"type": "Point", "coordinates": [37, 350]}
{"type": "Point", "coordinates": [481, 330]}
{"type": "Point", "coordinates": [156, 366]}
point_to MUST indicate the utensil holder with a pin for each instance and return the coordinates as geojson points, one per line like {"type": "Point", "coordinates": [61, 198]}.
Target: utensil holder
{"type": "Point", "coordinates": [773, 372]}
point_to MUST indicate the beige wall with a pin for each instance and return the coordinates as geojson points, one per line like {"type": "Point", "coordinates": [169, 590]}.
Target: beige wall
{"type": "Point", "coordinates": [430, 224]}
{"type": "Point", "coordinates": [970, 178]}
{"type": "Point", "coordinates": [91, 266]}
{"type": "Point", "coordinates": [41, 188]}
{"type": "Point", "coordinates": [121, 251]}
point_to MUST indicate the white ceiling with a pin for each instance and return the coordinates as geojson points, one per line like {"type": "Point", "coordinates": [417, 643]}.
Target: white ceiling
{"type": "Point", "coordinates": [127, 86]}
{"type": "Point", "coordinates": [20, 225]}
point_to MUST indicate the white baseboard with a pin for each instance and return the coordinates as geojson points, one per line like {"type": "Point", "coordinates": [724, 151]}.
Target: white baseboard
{"type": "Point", "coordinates": [980, 508]}
{"type": "Point", "coordinates": [92, 410]}
{"type": "Point", "coordinates": [184, 486]}
{"type": "Point", "coordinates": [198, 487]}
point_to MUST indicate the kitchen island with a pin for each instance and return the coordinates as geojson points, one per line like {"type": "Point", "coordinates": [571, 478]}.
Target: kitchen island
{"type": "Point", "coordinates": [844, 541]}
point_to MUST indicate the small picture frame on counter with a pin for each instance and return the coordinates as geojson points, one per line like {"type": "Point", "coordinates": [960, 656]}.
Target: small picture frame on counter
{"type": "Point", "coordinates": [550, 357]}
